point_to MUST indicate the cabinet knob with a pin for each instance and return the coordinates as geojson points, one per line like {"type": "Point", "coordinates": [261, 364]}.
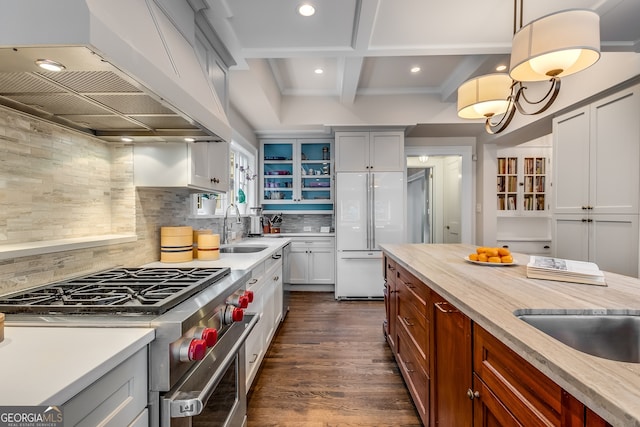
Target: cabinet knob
{"type": "Point", "coordinates": [215, 180]}
{"type": "Point", "coordinates": [473, 394]}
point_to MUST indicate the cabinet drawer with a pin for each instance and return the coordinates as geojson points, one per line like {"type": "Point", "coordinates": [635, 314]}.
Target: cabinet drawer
{"type": "Point", "coordinates": [530, 396]}
{"type": "Point", "coordinates": [417, 289]}
{"type": "Point", "coordinates": [390, 270]}
{"type": "Point", "coordinates": [527, 247]}
{"type": "Point", "coordinates": [412, 318]}
{"type": "Point", "coordinates": [412, 370]}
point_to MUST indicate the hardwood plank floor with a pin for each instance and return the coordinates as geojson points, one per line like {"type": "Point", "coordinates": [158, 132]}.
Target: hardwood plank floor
{"type": "Point", "coordinates": [329, 365]}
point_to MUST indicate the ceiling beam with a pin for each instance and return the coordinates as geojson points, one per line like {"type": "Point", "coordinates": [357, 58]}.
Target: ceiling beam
{"type": "Point", "coordinates": [350, 77]}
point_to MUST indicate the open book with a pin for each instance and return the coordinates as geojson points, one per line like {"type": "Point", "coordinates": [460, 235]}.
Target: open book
{"type": "Point", "coordinates": [564, 270]}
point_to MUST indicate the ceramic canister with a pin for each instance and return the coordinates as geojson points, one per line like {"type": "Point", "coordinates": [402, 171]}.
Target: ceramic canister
{"type": "Point", "coordinates": [196, 233]}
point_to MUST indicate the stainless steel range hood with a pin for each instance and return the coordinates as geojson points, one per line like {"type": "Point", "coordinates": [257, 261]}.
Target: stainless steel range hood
{"type": "Point", "coordinates": [129, 71]}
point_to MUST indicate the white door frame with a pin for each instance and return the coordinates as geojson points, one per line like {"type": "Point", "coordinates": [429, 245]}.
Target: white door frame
{"type": "Point", "coordinates": [468, 195]}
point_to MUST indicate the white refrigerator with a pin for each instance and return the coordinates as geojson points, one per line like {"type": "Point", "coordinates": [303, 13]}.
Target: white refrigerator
{"type": "Point", "coordinates": [370, 209]}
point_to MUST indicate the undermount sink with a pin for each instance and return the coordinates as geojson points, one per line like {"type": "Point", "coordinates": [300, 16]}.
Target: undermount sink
{"type": "Point", "coordinates": [242, 249]}
{"type": "Point", "coordinates": [610, 336]}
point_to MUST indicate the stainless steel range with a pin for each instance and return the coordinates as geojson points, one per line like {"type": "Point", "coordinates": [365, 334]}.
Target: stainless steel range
{"type": "Point", "coordinates": [198, 315]}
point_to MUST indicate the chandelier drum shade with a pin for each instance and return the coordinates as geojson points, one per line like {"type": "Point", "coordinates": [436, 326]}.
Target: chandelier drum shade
{"type": "Point", "coordinates": [555, 45]}
{"type": "Point", "coordinates": [546, 49]}
{"type": "Point", "coordinates": [484, 96]}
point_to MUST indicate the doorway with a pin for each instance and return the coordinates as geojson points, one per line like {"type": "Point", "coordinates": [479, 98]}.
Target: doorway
{"type": "Point", "coordinates": [439, 194]}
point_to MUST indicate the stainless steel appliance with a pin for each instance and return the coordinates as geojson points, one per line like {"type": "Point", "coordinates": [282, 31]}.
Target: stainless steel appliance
{"type": "Point", "coordinates": [370, 209]}
{"type": "Point", "coordinates": [198, 315]}
{"type": "Point", "coordinates": [256, 226]}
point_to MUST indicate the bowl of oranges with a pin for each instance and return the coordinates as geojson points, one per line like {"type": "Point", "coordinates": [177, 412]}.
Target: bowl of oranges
{"type": "Point", "coordinates": [491, 257]}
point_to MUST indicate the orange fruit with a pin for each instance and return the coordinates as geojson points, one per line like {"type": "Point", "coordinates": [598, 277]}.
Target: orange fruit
{"type": "Point", "coordinates": [504, 251]}
{"type": "Point", "coordinates": [492, 252]}
{"type": "Point", "coordinates": [481, 250]}
{"type": "Point", "coordinates": [473, 257]}
{"type": "Point", "coordinates": [495, 259]}
{"type": "Point", "coordinates": [506, 259]}
{"type": "Point", "coordinates": [482, 257]}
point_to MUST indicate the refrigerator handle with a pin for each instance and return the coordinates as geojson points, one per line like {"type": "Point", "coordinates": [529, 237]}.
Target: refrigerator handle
{"type": "Point", "coordinates": [368, 210]}
{"type": "Point", "coordinates": [372, 212]}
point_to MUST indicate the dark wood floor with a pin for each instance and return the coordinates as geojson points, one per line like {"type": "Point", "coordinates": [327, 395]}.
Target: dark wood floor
{"type": "Point", "coordinates": [329, 365]}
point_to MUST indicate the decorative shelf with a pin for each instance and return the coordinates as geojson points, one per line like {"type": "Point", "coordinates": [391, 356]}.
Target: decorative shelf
{"type": "Point", "coordinates": [18, 250]}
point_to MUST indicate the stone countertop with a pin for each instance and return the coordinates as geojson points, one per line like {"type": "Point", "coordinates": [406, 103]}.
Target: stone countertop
{"type": "Point", "coordinates": [299, 234]}
{"type": "Point", "coordinates": [48, 366]}
{"type": "Point", "coordinates": [490, 296]}
{"type": "Point", "coordinates": [235, 261]}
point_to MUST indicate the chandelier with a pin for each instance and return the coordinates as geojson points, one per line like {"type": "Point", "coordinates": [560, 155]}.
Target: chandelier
{"type": "Point", "coordinates": [548, 48]}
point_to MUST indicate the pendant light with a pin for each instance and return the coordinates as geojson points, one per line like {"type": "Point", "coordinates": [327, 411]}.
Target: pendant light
{"type": "Point", "coordinates": [548, 48]}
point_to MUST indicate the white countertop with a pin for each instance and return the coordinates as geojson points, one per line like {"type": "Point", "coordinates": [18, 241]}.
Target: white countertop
{"type": "Point", "coordinates": [48, 366]}
{"type": "Point", "coordinates": [490, 296]}
{"type": "Point", "coordinates": [235, 261]}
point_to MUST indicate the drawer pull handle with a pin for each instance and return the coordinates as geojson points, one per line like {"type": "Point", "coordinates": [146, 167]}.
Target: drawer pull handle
{"type": "Point", "coordinates": [407, 321]}
{"type": "Point", "coordinates": [473, 394]}
{"type": "Point", "coordinates": [406, 365]}
{"type": "Point", "coordinates": [445, 307]}
{"type": "Point", "coordinates": [252, 281]}
{"type": "Point", "coordinates": [255, 357]}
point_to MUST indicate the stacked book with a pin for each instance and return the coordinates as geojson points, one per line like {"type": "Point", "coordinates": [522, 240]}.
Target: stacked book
{"type": "Point", "coordinates": [565, 270]}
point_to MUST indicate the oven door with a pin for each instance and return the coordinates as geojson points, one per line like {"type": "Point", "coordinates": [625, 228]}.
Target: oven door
{"type": "Point", "coordinates": [214, 390]}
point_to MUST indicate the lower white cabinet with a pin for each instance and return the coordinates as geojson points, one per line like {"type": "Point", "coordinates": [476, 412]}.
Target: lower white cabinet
{"type": "Point", "coordinates": [312, 260]}
{"type": "Point", "coordinates": [611, 241]}
{"type": "Point", "coordinates": [117, 399]}
{"type": "Point", "coordinates": [266, 284]}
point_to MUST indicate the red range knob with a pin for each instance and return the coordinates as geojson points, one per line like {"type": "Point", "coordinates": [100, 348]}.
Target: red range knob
{"type": "Point", "coordinates": [210, 336]}
{"type": "Point", "coordinates": [249, 295]}
{"type": "Point", "coordinates": [237, 315]}
{"type": "Point", "coordinates": [197, 349]}
{"type": "Point", "coordinates": [243, 301]}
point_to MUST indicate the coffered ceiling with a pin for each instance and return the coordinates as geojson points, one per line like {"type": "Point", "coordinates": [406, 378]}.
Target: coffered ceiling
{"type": "Point", "coordinates": [367, 48]}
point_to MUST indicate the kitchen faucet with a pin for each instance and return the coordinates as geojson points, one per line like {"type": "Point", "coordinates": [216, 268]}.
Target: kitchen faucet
{"type": "Point", "coordinates": [225, 238]}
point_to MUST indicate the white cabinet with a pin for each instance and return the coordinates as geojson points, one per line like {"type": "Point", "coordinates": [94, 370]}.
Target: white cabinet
{"type": "Point", "coordinates": [522, 181]}
{"type": "Point", "coordinates": [117, 399]}
{"type": "Point", "coordinates": [609, 240]}
{"type": "Point", "coordinates": [369, 151]}
{"type": "Point", "coordinates": [596, 153]}
{"type": "Point", "coordinates": [596, 183]}
{"type": "Point", "coordinates": [296, 171]}
{"type": "Point", "coordinates": [266, 284]}
{"type": "Point", "coordinates": [312, 260]}
{"type": "Point", "coordinates": [201, 166]}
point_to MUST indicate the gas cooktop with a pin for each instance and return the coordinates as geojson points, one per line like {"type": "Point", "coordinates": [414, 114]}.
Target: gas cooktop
{"type": "Point", "coordinates": [120, 290]}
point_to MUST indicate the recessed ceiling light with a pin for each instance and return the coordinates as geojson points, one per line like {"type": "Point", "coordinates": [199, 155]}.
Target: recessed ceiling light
{"type": "Point", "coordinates": [415, 69]}
{"type": "Point", "coordinates": [501, 67]}
{"type": "Point", "coordinates": [318, 71]}
{"type": "Point", "coordinates": [126, 139]}
{"type": "Point", "coordinates": [306, 9]}
{"type": "Point", "coordinates": [188, 139]}
{"type": "Point", "coordinates": [50, 65]}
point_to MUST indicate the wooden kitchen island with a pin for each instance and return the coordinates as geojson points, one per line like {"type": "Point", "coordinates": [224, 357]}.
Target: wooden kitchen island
{"type": "Point", "coordinates": [467, 359]}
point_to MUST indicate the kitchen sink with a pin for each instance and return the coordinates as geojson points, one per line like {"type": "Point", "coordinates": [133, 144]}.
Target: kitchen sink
{"type": "Point", "coordinates": [242, 249]}
{"type": "Point", "coordinates": [610, 336]}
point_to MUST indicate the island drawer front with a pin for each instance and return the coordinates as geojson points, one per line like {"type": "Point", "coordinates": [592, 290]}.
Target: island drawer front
{"type": "Point", "coordinates": [412, 368]}
{"type": "Point", "coordinates": [530, 395]}
{"type": "Point", "coordinates": [390, 270]}
{"type": "Point", "coordinates": [413, 320]}
{"type": "Point", "coordinates": [420, 294]}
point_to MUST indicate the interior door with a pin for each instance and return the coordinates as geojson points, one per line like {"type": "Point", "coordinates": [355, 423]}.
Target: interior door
{"type": "Point", "coordinates": [452, 199]}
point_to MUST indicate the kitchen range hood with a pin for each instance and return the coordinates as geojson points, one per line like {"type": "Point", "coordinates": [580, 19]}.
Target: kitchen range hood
{"type": "Point", "coordinates": [128, 71]}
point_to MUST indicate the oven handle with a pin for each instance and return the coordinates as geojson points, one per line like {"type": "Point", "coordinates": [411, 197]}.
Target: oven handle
{"type": "Point", "coordinates": [190, 403]}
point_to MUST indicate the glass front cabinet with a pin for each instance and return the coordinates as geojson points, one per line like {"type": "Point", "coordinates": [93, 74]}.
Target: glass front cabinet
{"type": "Point", "coordinates": [297, 171]}
{"type": "Point", "coordinates": [522, 182]}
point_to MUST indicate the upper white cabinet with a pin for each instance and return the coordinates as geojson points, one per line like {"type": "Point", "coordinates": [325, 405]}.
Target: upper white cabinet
{"type": "Point", "coordinates": [596, 152]}
{"type": "Point", "coordinates": [296, 171]}
{"type": "Point", "coordinates": [369, 151]}
{"type": "Point", "coordinates": [522, 181]}
{"type": "Point", "coordinates": [202, 166]}
{"type": "Point", "coordinates": [596, 155]}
